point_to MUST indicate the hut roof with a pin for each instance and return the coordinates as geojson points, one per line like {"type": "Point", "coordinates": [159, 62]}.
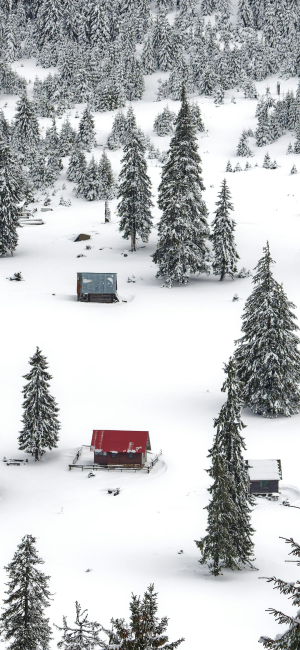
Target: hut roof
{"type": "Point", "coordinates": [264, 469]}
{"type": "Point", "coordinates": [121, 441]}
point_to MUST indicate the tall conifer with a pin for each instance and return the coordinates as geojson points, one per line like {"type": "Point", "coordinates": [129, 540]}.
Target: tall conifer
{"type": "Point", "coordinates": [11, 193]}
{"type": "Point", "coordinates": [224, 248]}
{"type": "Point", "coordinates": [267, 356]}
{"type": "Point", "coordinates": [134, 192]}
{"type": "Point", "coordinates": [40, 422]}
{"type": "Point", "coordinates": [23, 622]}
{"type": "Point", "coordinates": [183, 229]}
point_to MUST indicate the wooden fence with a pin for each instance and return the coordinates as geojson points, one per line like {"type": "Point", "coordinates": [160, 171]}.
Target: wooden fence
{"type": "Point", "coordinates": [93, 467]}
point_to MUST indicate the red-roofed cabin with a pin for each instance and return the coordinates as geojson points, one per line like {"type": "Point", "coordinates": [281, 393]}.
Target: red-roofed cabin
{"type": "Point", "coordinates": [120, 447]}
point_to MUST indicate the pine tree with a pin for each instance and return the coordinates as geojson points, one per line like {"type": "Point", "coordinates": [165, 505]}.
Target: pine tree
{"type": "Point", "coordinates": [86, 137]}
{"type": "Point", "coordinates": [229, 167]}
{"type": "Point", "coordinates": [67, 138]}
{"type": "Point", "coordinates": [37, 171]}
{"type": "Point", "coordinates": [23, 622]}
{"type": "Point", "coordinates": [243, 148]}
{"type": "Point", "coordinates": [294, 170]}
{"type": "Point", "coordinates": [164, 122]}
{"type": "Point", "coordinates": [267, 357]}
{"type": "Point", "coordinates": [290, 639]}
{"type": "Point", "coordinates": [219, 95]}
{"type": "Point", "coordinates": [77, 166]}
{"type": "Point", "coordinates": [228, 543]}
{"type": "Point", "coordinates": [89, 186]}
{"type": "Point", "coordinates": [134, 187]}
{"type": "Point", "coordinates": [163, 42]}
{"type": "Point", "coordinates": [40, 422]}
{"type": "Point", "coordinates": [290, 148]}
{"type": "Point", "coordinates": [145, 630]}
{"type": "Point", "coordinates": [85, 636]}
{"type": "Point", "coordinates": [267, 161]}
{"type": "Point", "coordinates": [11, 193]}
{"type": "Point", "coordinates": [224, 248]}
{"type": "Point", "coordinates": [245, 15]}
{"type": "Point", "coordinates": [108, 186]}
{"type": "Point", "coordinates": [197, 117]}
{"type": "Point", "coordinates": [148, 59]}
{"type": "Point", "coordinates": [183, 230]}
{"type": "Point", "coordinates": [26, 133]}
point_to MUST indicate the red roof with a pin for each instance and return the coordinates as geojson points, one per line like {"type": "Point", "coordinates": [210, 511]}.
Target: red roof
{"type": "Point", "coordinates": [121, 441]}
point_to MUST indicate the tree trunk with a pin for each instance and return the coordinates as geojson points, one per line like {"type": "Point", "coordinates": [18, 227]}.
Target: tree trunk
{"type": "Point", "coordinates": [107, 213]}
{"type": "Point", "coordinates": [36, 455]}
{"type": "Point", "coordinates": [133, 235]}
{"type": "Point", "coordinates": [222, 276]}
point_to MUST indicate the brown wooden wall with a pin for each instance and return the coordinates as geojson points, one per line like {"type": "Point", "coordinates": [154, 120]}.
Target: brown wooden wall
{"type": "Point", "coordinates": [97, 297]}
{"type": "Point", "coordinates": [120, 459]}
{"type": "Point", "coordinates": [255, 487]}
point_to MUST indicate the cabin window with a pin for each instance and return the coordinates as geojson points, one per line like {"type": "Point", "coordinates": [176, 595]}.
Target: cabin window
{"type": "Point", "coordinates": [130, 455]}
{"type": "Point", "coordinates": [114, 454]}
{"type": "Point", "coordinates": [264, 484]}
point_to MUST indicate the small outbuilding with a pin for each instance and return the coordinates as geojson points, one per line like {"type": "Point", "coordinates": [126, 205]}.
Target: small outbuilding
{"type": "Point", "coordinates": [264, 476]}
{"type": "Point", "coordinates": [124, 448]}
{"type": "Point", "coordinates": [97, 287]}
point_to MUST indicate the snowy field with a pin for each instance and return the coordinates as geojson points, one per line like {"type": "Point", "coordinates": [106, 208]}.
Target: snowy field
{"type": "Point", "coordinates": [153, 363]}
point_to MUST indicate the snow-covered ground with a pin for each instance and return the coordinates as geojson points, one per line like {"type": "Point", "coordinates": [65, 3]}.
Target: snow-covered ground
{"type": "Point", "coordinates": [153, 363]}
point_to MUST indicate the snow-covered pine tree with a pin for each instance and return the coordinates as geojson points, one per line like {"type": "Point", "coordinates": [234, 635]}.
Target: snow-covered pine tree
{"type": "Point", "coordinates": [51, 142]}
{"type": "Point", "coordinates": [183, 229]}
{"type": "Point", "coordinates": [228, 544]}
{"type": "Point", "coordinates": [25, 128]}
{"type": "Point", "coordinates": [37, 171]}
{"type": "Point", "coordinates": [53, 168]}
{"type": "Point", "coordinates": [290, 148]}
{"type": "Point", "coordinates": [243, 148]}
{"type": "Point", "coordinates": [134, 191]}
{"type": "Point", "coordinates": [40, 422]}
{"type": "Point", "coordinates": [23, 622]}
{"type": "Point", "coordinates": [228, 166]}
{"type": "Point", "coordinates": [290, 639]}
{"type": "Point", "coordinates": [148, 59]}
{"type": "Point", "coordinates": [217, 547]}
{"type": "Point", "coordinates": [5, 131]}
{"type": "Point", "coordinates": [162, 40]}
{"type": "Point", "coordinates": [294, 170]}
{"type": "Point", "coordinates": [86, 136]}
{"type": "Point", "coordinates": [11, 193]}
{"type": "Point", "coordinates": [77, 165]}
{"type": "Point", "coordinates": [85, 634]}
{"type": "Point", "coordinates": [219, 95]}
{"type": "Point", "coordinates": [145, 629]}
{"type": "Point", "coordinates": [164, 122]}
{"type": "Point", "coordinates": [89, 186]}
{"type": "Point", "coordinates": [267, 161]}
{"type": "Point", "coordinates": [267, 356]}
{"type": "Point", "coordinates": [67, 138]}
{"type": "Point", "coordinates": [208, 7]}
{"type": "Point", "coordinates": [245, 15]}
{"type": "Point", "coordinates": [108, 187]}
{"type": "Point", "coordinates": [197, 117]}
{"type": "Point", "coordinates": [224, 247]}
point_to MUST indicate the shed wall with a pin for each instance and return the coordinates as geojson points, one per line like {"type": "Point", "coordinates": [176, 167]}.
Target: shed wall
{"type": "Point", "coordinates": [120, 459]}
{"type": "Point", "coordinates": [255, 487]}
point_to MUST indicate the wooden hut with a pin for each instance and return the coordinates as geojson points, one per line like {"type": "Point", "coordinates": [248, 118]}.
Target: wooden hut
{"type": "Point", "coordinates": [97, 287]}
{"type": "Point", "coordinates": [264, 476]}
{"type": "Point", "coordinates": [120, 447]}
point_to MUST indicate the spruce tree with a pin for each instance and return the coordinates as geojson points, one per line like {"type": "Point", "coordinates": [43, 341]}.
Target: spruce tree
{"type": "Point", "coordinates": [23, 622]}
{"type": "Point", "coordinates": [134, 191]}
{"type": "Point", "coordinates": [243, 148]}
{"type": "Point", "coordinates": [25, 131]}
{"type": "Point", "coordinates": [290, 639]}
{"type": "Point", "coordinates": [144, 630]}
{"type": "Point", "coordinates": [67, 138]}
{"type": "Point", "coordinates": [77, 165]}
{"type": "Point", "coordinates": [224, 248]}
{"type": "Point", "coordinates": [164, 122]}
{"type": "Point", "coordinates": [229, 544]}
{"type": "Point", "coordinates": [267, 356]}
{"type": "Point", "coordinates": [11, 193]}
{"type": "Point", "coordinates": [40, 422]}
{"type": "Point", "coordinates": [89, 185]}
{"type": "Point", "coordinates": [85, 634]}
{"type": "Point", "coordinates": [183, 230]}
{"type": "Point", "coordinates": [86, 137]}
{"type": "Point", "coordinates": [108, 186]}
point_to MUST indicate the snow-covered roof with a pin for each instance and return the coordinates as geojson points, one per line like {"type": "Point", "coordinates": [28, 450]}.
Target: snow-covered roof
{"type": "Point", "coordinates": [264, 470]}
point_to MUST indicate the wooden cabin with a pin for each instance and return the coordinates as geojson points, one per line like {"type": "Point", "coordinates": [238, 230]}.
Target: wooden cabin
{"type": "Point", "coordinates": [97, 287]}
{"type": "Point", "coordinates": [264, 476]}
{"type": "Point", "coordinates": [120, 447]}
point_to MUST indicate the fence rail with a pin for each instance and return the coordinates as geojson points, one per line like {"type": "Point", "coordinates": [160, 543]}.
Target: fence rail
{"type": "Point", "coordinates": [93, 466]}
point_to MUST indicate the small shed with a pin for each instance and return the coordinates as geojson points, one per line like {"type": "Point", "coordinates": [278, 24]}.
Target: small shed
{"type": "Point", "coordinates": [264, 476]}
{"type": "Point", "coordinates": [97, 287]}
{"type": "Point", "coordinates": [120, 447]}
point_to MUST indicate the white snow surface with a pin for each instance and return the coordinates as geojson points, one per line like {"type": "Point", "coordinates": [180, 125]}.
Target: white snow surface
{"type": "Point", "coordinates": [153, 363]}
{"type": "Point", "coordinates": [262, 469]}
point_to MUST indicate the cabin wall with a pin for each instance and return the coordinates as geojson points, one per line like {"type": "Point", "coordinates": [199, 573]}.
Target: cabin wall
{"type": "Point", "coordinates": [256, 488]}
{"type": "Point", "coordinates": [96, 297]}
{"type": "Point", "coordinates": [120, 459]}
